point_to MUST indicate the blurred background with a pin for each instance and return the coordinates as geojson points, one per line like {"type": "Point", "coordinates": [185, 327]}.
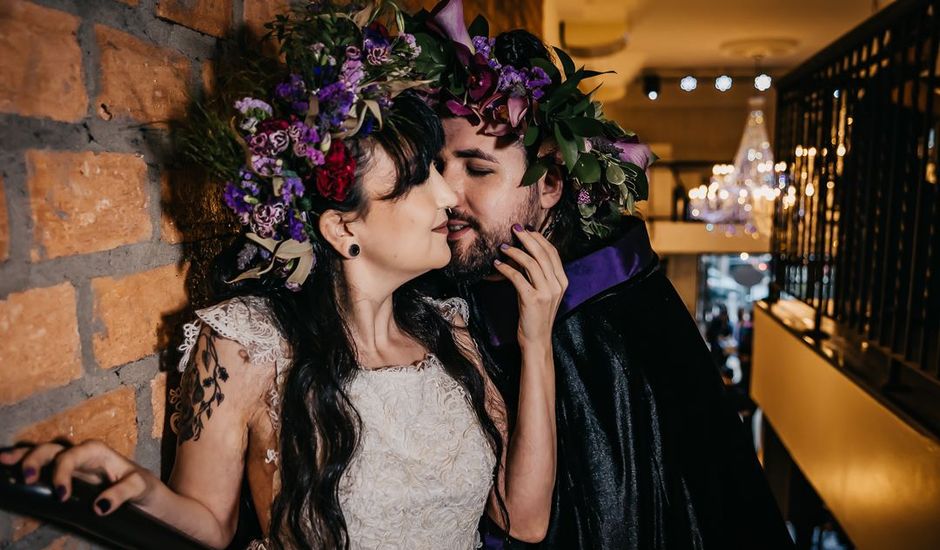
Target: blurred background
{"type": "Point", "coordinates": [795, 208]}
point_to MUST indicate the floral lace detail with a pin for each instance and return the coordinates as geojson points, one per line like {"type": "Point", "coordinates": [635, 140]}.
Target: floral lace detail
{"type": "Point", "coordinates": [249, 322]}
{"type": "Point", "coordinates": [452, 309]}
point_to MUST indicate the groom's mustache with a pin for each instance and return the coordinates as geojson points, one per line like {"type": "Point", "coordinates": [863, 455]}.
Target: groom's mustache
{"type": "Point", "coordinates": [471, 221]}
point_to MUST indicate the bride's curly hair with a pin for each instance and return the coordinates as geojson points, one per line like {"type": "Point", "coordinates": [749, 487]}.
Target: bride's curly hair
{"type": "Point", "coordinates": [319, 429]}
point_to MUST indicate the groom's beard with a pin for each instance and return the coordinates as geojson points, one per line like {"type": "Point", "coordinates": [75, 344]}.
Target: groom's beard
{"type": "Point", "coordinates": [473, 261]}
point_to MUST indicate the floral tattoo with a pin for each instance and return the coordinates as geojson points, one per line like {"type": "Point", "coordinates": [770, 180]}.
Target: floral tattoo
{"type": "Point", "coordinates": [200, 389]}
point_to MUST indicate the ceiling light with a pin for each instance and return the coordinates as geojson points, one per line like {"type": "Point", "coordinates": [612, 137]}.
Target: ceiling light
{"type": "Point", "coordinates": [723, 83]}
{"type": "Point", "coordinates": [688, 83]}
{"type": "Point", "coordinates": [762, 82]}
{"type": "Point", "coordinates": [651, 86]}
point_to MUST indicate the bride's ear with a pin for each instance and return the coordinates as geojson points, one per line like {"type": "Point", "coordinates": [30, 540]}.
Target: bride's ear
{"type": "Point", "coordinates": [335, 226]}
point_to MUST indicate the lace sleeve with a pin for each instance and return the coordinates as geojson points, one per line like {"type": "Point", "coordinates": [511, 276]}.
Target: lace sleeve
{"type": "Point", "coordinates": [249, 322]}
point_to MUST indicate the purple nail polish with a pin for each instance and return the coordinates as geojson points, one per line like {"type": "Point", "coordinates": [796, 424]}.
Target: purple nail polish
{"type": "Point", "coordinates": [504, 246]}
{"type": "Point", "coordinates": [29, 473]}
{"type": "Point", "coordinates": [517, 228]}
{"type": "Point", "coordinates": [60, 491]}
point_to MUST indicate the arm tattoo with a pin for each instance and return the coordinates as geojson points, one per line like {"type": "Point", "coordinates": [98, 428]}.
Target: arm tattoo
{"type": "Point", "coordinates": [200, 388]}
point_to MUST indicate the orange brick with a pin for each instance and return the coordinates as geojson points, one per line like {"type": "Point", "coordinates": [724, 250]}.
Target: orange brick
{"type": "Point", "coordinates": [131, 310]}
{"type": "Point", "coordinates": [68, 543]}
{"type": "Point", "coordinates": [41, 63]}
{"type": "Point", "coordinates": [158, 404]}
{"type": "Point", "coordinates": [209, 16]}
{"type": "Point", "coordinates": [130, 2]}
{"type": "Point", "coordinates": [4, 225]}
{"type": "Point", "coordinates": [259, 12]}
{"type": "Point", "coordinates": [23, 526]}
{"type": "Point", "coordinates": [192, 207]}
{"type": "Point", "coordinates": [139, 80]}
{"type": "Point", "coordinates": [111, 418]}
{"type": "Point", "coordinates": [39, 344]}
{"type": "Point", "coordinates": [86, 202]}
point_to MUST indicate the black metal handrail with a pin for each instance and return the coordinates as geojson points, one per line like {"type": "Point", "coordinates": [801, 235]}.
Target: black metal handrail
{"type": "Point", "coordinates": [857, 225]}
{"type": "Point", "coordinates": [127, 527]}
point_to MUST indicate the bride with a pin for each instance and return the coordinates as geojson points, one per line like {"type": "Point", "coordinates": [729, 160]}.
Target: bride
{"type": "Point", "coordinates": [357, 408]}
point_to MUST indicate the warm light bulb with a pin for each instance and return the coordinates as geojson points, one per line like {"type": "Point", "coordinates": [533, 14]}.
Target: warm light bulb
{"type": "Point", "coordinates": [723, 83]}
{"type": "Point", "coordinates": [688, 83]}
{"type": "Point", "coordinates": [762, 82]}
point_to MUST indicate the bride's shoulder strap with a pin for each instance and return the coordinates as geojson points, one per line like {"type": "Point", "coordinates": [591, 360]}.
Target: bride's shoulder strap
{"type": "Point", "coordinates": [246, 320]}
{"type": "Point", "coordinates": [454, 310]}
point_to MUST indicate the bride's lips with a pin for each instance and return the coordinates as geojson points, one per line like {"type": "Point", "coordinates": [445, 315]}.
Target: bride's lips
{"type": "Point", "coordinates": [456, 229]}
{"type": "Point", "coordinates": [442, 229]}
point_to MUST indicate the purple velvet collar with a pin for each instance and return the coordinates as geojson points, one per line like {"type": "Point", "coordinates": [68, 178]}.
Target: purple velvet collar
{"type": "Point", "coordinates": [588, 277]}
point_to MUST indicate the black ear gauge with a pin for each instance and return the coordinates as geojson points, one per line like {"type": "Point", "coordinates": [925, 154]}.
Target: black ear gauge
{"type": "Point", "coordinates": [354, 250]}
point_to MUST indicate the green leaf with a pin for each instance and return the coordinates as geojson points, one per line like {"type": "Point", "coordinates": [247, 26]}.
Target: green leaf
{"type": "Point", "coordinates": [566, 62]}
{"type": "Point", "coordinates": [615, 174]}
{"type": "Point", "coordinates": [479, 27]}
{"type": "Point", "coordinates": [569, 149]}
{"type": "Point", "coordinates": [636, 179]}
{"type": "Point", "coordinates": [531, 135]}
{"type": "Point", "coordinates": [585, 126]}
{"type": "Point", "coordinates": [587, 210]}
{"type": "Point", "coordinates": [534, 173]}
{"type": "Point", "coordinates": [587, 169]}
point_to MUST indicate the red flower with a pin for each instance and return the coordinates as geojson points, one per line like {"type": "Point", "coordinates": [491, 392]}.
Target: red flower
{"type": "Point", "coordinates": [336, 175]}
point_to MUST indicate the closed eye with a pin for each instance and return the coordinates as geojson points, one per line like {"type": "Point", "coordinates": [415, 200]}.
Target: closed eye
{"type": "Point", "coordinates": [478, 172]}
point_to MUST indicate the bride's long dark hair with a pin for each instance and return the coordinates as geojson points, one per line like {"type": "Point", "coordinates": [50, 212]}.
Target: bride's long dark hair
{"type": "Point", "coordinates": [319, 428]}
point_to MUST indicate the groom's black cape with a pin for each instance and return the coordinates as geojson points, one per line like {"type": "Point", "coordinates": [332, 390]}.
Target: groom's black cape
{"type": "Point", "coordinates": [650, 454]}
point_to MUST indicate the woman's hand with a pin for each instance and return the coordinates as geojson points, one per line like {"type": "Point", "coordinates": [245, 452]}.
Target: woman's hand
{"type": "Point", "coordinates": [91, 461]}
{"type": "Point", "coordinates": [540, 290]}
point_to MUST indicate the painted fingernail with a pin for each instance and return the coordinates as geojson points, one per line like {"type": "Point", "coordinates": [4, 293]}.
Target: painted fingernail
{"type": "Point", "coordinates": [497, 262]}
{"type": "Point", "coordinates": [60, 491]}
{"type": "Point", "coordinates": [103, 505]}
{"type": "Point", "coordinates": [29, 473]}
{"type": "Point", "coordinates": [517, 228]}
{"type": "Point", "coordinates": [504, 246]}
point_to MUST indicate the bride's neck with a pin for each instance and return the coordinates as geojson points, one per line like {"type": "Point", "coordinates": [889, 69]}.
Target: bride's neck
{"type": "Point", "coordinates": [370, 315]}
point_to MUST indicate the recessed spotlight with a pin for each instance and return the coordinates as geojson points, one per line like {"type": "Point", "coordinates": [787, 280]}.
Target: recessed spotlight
{"type": "Point", "coordinates": [688, 83]}
{"type": "Point", "coordinates": [762, 82]}
{"type": "Point", "coordinates": [723, 83]}
{"type": "Point", "coordinates": [651, 86]}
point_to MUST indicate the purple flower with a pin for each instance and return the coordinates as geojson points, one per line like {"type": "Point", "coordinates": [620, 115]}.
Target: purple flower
{"type": "Point", "coordinates": [266, 166]}
{"type": "Point", "coordinates": [584, 197]}
{"type": "Point", "coordinates": [538, 78]}
{"type": "Point", "coordinates": [630, 150]}
{"type": "Point", "coordinates": [292, 188]}
{"type": "Point", "coordinates": [414, 50]}
{"type": "Point", "coordinates": [295, 227]}
{"type": "Point", "coordinates": [513, 81]}
{"type": "Point", "coordinates": [353, 52]}
{"type": "Point", "coordinates": [352, 73]}
{"type": "Point", "coordinates": [265, 219]}
{"type": "Point", "coordinates": [253, 107]}
{"type": "Point", "coordinates": [301, 133]}
{"type": "Point", "coordinates": [448, 16]}
{"type": "Point", "coordinates": [336, 100]}
{"type": "Point", "coordinates": [483, 45]}
{"type": "Point", "coordinates": [234, 197]}
{"type": "Point", "coordinates": [376, 51]}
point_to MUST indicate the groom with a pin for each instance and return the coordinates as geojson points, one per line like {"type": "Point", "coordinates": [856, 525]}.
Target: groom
{"type": "Point", "coordinates": [649, 455]}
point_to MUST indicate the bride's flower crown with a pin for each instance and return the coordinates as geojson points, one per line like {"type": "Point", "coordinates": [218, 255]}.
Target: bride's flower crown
{"type": "Point", "coordinates": [559, 125]}
{"type": "Point", "coordinates": [342, 71]}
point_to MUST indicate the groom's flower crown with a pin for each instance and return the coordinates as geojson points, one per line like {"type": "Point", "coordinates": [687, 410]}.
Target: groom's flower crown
{"type": "Point", "coordinates": [559, 125]}
{"type": "Point", "coordinates": [283, 153]}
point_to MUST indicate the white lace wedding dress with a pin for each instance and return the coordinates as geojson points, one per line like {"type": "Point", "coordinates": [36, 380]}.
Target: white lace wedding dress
{"type": "Point", "coordinates": [423, 470]}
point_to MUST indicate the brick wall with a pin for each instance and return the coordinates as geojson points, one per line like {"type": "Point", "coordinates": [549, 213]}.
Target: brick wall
{"type": "Point", "coordinates": [103, 236]}
{"type": "Point", "coordinates": [94, 237]}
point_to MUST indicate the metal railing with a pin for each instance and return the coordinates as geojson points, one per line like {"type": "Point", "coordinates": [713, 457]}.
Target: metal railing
{"type": "Point", "coordinates": [857, 224]}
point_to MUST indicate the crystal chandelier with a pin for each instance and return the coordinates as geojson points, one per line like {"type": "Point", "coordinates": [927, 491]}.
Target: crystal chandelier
{"type": "Point", "coordinates": [742, 193]}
